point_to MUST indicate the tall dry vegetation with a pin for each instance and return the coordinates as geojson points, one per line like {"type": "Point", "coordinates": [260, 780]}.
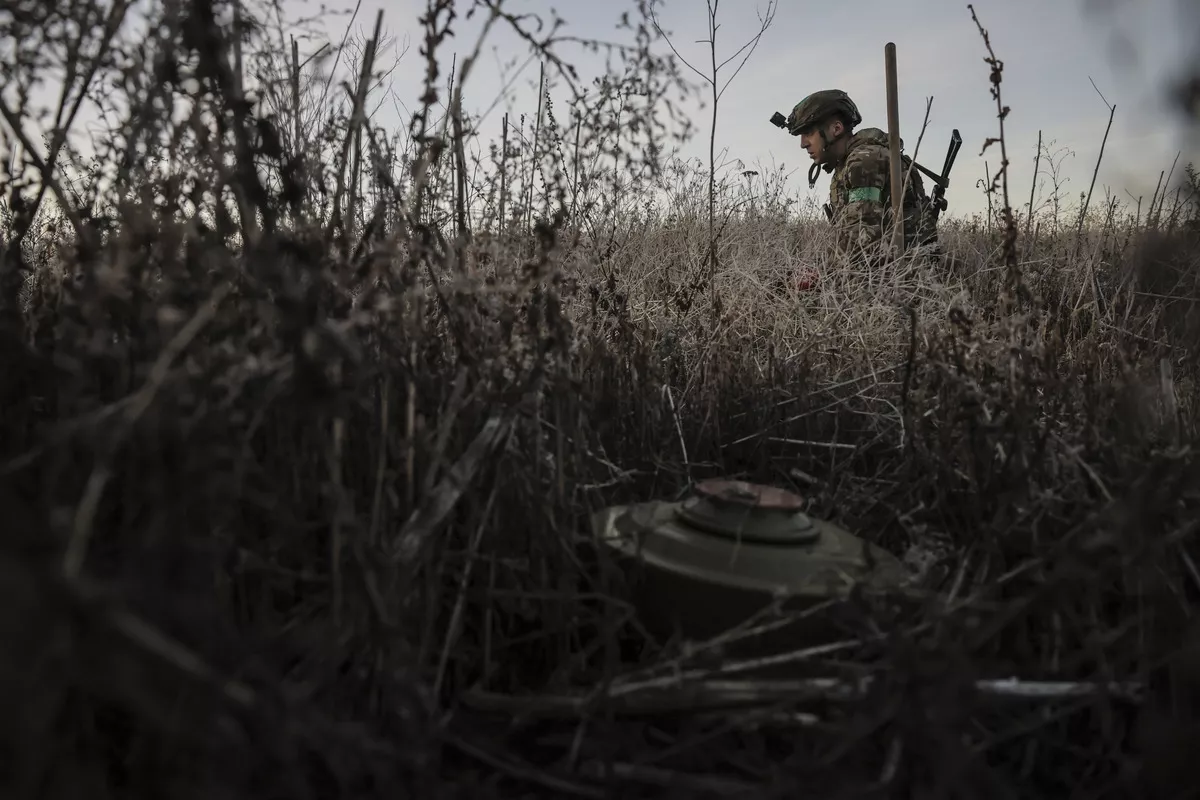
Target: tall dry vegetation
{"type": "Point", "coordinates": [303, 418]}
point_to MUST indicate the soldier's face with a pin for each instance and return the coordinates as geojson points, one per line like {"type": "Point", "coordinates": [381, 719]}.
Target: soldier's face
{"type": "Point", "coordinates": [814, 141]}
{"type": "Point", "coordinates": [813, 144]}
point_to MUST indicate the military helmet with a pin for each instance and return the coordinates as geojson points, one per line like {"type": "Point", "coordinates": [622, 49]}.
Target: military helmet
{"type": "Point", "coordinates": [820, 106]}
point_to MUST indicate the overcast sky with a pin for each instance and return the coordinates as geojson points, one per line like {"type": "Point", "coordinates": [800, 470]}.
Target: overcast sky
{"type": "Point", "coordinates": [1050, 49]}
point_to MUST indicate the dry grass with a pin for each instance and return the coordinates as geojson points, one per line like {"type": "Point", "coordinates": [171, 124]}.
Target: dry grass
{"type": "Point", "coordinates": [296, 483]}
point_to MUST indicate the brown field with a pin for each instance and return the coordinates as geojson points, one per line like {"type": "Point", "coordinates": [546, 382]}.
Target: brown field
{"type": "Point", "coordinates": [302, 422]}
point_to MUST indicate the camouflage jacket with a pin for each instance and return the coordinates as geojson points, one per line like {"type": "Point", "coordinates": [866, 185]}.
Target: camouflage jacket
{"type": "Point", "coordinates": [860, 202]}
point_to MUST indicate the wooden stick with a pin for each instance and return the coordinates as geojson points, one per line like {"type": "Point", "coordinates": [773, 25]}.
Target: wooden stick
{"type": "Point", "coordinates": [893, 113]}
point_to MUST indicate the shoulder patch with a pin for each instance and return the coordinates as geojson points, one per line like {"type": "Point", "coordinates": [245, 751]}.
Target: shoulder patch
{"type": "Point", "coordinates": [866, 194]}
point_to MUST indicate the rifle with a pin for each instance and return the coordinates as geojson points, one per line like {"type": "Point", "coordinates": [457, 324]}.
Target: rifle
{"type": "Point", "coordinates": [937, 197]}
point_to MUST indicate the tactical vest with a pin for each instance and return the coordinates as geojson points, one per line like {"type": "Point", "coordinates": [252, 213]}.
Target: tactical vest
{"type": "Point", "coordinates": [919, 225]}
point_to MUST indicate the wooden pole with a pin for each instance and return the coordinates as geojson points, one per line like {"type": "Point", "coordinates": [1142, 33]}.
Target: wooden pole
{"type": "Point", "coordinates": [893, 114]}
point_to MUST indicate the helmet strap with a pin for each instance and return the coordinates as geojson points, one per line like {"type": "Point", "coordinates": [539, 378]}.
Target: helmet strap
{"type": "Point", "coordinates": [814, 171]}
{"type": "Point", "coordinates": [828, 142]}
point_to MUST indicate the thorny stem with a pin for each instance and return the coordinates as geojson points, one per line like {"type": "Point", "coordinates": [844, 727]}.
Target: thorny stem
{"type": "Point", "coordinates": [1001, 176]}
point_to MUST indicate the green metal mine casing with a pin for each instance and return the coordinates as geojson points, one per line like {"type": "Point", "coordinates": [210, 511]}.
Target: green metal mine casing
{"type": "Point", "coordinates": [710, 562]}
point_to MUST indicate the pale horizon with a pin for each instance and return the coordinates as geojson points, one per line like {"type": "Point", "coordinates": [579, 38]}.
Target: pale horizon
{"type": "Point", "coordinates": [1130, 50]}
{"type": "Point", "coordinates": [1052, 53]}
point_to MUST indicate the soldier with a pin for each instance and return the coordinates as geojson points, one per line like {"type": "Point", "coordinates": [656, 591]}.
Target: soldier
{"type": "Point", "coordinates": [860, 205]}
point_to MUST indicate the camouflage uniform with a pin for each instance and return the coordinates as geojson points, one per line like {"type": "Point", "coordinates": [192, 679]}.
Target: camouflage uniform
{"type": "Point", "coordinates": [860, 197]}
{"type": "Point", "coordinates": [860, 205]}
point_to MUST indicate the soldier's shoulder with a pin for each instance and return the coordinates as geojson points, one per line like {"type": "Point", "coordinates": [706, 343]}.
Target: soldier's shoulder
{"type": "Point", "coordinates": [868, 152]}
{"type": "Point", "coordinates": [866, 166]}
